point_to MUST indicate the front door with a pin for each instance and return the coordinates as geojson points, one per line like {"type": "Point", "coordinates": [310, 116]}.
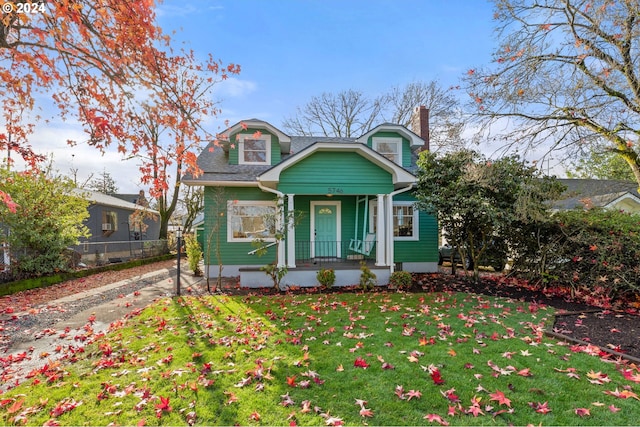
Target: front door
{"type": "Point", "coordinates": [325, 230]}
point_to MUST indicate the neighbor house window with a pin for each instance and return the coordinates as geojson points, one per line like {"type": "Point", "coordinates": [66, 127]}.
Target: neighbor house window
{"type": "Point", "coordinates": [391, 148]}
{"type": "Point", "coordinates": [254, 150]}
{"type": "Point", "coordinates": [250, 220]}
{"type": "Point", "coordinates": [109, 222]}
{"type": "Point", "coordinates": [405, 220]}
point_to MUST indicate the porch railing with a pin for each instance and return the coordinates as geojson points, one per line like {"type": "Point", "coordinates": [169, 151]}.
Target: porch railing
{"type": "Point", "coordinates": [329, 252]}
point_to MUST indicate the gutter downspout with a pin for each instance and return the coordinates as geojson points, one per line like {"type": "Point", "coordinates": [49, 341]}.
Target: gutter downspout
{"type": "Point", "coordinates": [389, 251]}
{"type": "Point", "coordinates": [280, 249]}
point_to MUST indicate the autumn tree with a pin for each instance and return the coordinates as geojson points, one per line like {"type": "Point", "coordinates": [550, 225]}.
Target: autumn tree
{"type": "Point", "coordinates": [192, 203]}
{"type": "Point", "coordinates": [169, 122]}
{"type": "Point", "coordinates": [565, 76]}
{"type": "Point", "coordinates": [445, 114]}
{"type": "Point", "coordinates": [600, 164]}
{"type": "Point", "coordinates": [93, 58]}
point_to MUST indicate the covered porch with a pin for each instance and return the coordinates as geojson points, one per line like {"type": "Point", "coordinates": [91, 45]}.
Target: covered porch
{"type": "Point", "coordinates": [336, 233]}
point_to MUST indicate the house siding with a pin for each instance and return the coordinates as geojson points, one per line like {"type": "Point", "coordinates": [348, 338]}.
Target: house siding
{"type": "Point", "coordinates": [335, 173]}
{"type": "Point", "coordinates": [303, 229]}
{"type": "Point", "coordinates": [423, 250]}
{"type": "Point", "coordinates": [231, 253]}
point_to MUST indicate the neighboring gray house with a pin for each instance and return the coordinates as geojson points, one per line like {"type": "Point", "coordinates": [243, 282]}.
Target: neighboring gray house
{"type": "Point", "coordinates": [605, 193]}
{"type": "Point", "coordinates": [118, 228]}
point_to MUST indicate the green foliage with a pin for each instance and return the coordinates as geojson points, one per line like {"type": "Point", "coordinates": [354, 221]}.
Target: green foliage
{"type": "Point", "coordinates": [276, 273]}
{"type": "Point", "coordinates": [597, 251]}
{"type": "Point", "coordinates": [401, 279]}
{"type": "Point", "coordinates": [601, 164]}
{"type": "Point", "coordinates": [194, 253]}
{"type": "Point", "coordinates": [48, 219]}
{"type": "Point", "coordinates": [326, 277]}
{"type": "Point", "coordinates": [479, 201]}
{"type": "Point", "coordinates": [367, 277]}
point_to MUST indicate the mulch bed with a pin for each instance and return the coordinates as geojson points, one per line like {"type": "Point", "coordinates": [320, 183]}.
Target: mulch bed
{"type": "Point", "coordinates": [614, 330]}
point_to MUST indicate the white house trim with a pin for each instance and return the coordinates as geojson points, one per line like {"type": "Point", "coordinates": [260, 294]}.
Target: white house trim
{"type": "Point", "coordinates": [291, 233]}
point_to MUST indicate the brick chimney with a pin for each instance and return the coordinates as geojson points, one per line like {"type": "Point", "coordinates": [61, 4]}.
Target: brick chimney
{"type": "Point", "coordinates": [420, 124]}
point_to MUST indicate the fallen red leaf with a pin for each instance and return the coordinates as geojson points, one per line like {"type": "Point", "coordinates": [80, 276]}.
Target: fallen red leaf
{"type": "Point", "coordinates": [163, 406]}
{"type": "Point", "coordinates": [499, 397]}
{"type": "Point", "coordinates": [436, 377]}
{"type": "Point", "coordinates": [582, 412]}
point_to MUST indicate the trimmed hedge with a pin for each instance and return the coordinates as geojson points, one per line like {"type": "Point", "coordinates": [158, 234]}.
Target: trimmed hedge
{"type": "Point", "coordinates": [597, 249]}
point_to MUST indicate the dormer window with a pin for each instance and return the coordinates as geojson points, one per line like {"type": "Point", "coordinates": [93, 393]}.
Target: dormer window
{"type": "Point", "coordinates": [391, 148]}
{"type": "Point", "coordinates": [254, 150]}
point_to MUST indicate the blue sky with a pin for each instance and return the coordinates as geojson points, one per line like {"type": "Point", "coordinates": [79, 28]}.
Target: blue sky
{"type": "Point", "coordinates": [292, 50]}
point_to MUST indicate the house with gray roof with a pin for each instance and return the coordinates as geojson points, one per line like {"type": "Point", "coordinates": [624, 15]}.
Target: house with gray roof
{"type": "Point", "coordinates": [604, 193]}
{"type": "Point", "coordinates": [119, 228]}
{"type": "Point", "coordinates": [309, 203]}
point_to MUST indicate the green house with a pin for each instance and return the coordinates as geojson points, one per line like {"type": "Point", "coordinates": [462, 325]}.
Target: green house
{"type": "Point", "coordinates": [313, 202]}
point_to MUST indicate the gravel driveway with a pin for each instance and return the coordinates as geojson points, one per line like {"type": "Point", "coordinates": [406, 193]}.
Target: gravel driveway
{"type": "Point", "coordinates": [36, 329]}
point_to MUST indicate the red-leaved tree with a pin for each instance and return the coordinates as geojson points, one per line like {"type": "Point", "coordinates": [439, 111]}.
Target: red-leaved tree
{"type": "Point", "coordinates": [92, 57]}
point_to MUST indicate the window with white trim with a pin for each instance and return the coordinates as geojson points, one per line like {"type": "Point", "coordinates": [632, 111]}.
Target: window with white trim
{"type": "Point", "coordinates": [254, 149]}
{"type": "Point", "coordinates": [249, 220]}
{"type": "Point", "coordinates": [405, 220]}
{"type": "Point", "coordinates": [391, 148]}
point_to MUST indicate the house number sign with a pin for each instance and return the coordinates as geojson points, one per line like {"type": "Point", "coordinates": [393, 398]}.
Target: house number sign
{"type": "Point", "coordinates": [334, 190]}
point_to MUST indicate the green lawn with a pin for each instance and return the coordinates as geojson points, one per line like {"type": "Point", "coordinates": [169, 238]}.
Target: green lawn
{"type": "Point", "coordinates": [330, 359]}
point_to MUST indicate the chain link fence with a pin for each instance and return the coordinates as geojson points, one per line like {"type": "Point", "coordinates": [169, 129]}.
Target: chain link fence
{"type": "Point", "coordinates": [101, 253]}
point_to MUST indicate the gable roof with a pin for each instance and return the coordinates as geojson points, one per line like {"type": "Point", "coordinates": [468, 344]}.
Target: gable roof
{"type": "Point", "coordinates": [400, 176]}
{"type": "Point", "coordinates": [213, 161]}
{"type": "Point", "coordinates": [285, 140]}
{"type": "Point", "coordinates": [104, 200]}
{"type": "Point", "coordinates": [414, 139]}
{"type": "Point", "coordinates": [600, 192]}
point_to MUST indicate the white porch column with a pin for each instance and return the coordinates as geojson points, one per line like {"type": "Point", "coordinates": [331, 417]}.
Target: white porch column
{"type": "Point", "coordinates": [389, 230]}
{"type": "Point", "coordinates": [381, 235]}
{"type": "Point", "coordinates": [280, 226]}
{"type": "Point", "coordinates": [291, 234]}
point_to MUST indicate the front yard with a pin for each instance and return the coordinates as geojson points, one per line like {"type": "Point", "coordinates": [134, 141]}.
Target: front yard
{"type": "Point", "coordinates": [330, 359]}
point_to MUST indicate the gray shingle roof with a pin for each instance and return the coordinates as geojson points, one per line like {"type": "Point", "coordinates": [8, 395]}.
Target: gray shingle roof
{"type": "Point", "coordinates": [600, 191]}
{"type": "Point", "coordinates": [214, 161]}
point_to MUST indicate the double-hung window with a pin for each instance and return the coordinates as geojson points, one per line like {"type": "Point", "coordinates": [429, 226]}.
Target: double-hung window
{"type": "Point", "coordinates": [254, 150]}
{"type": "Point", "coordinates": [405, 220]}
{"type": "Point", "coordinates": [391, 148]}
{"type": "Point", "coordinates": [250, 220]}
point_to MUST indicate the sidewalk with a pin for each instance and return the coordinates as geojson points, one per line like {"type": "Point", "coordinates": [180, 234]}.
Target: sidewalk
{"type": "Point", "coordinates": [37, 339]}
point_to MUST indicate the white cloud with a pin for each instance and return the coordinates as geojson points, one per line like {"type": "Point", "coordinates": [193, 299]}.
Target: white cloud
{"type": "Point", "coordinates": [51, 141]}
{"type": "Point", "coordinates": [235, 87]}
